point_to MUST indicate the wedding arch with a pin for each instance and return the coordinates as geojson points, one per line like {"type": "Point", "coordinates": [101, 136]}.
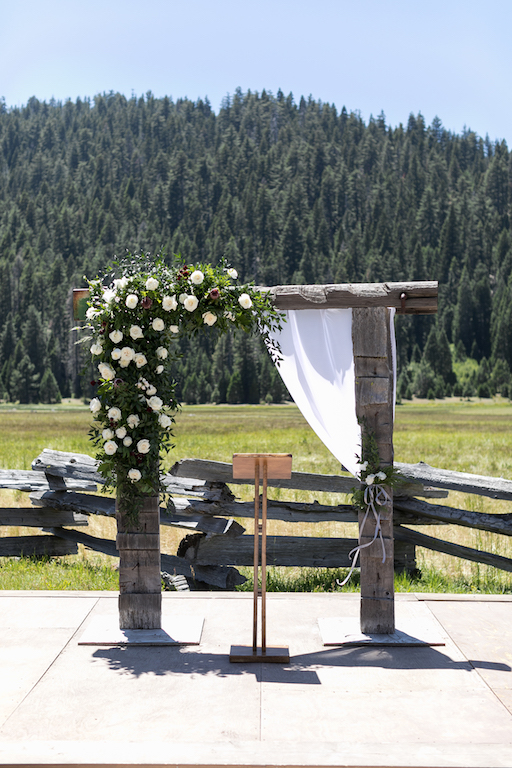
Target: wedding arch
{"type": "Point", "coordinates": [336, 354]}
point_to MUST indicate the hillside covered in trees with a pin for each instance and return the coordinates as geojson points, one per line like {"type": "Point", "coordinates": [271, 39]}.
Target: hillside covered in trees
{"type": "Point", "coordinates": [288, 193]}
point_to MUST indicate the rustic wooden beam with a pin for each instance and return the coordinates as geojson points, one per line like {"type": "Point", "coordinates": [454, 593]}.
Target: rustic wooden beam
{"type": "Point", "coordinates": [44, 517]}
{"type": "Point", "coordinates": [448, 515]}
{"type": "Point", "coordinates": [464, 482]}
{"type": "Point", "coordinates": [205, 521]}
{"type": "Point", "coordinates": [27, 546]}
{"type": "Point", "coordinates": [305, 481]}
{"type": "Point", "coordinates": [457, 550]}
{"type": "Point", "coordinates": [27, 480]}
{"type": "Point", "coordinates": [307, 551]}
{"type": "Point", "coordinates": [411, 298]}
{"type": "Point", "coordinates": [371, 338]}
{"type": "Point", "coordinates": [219, 576]}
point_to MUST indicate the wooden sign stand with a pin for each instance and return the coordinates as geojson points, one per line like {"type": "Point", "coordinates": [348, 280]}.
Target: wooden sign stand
{"type": "Point", "coordinates": [264, 466]}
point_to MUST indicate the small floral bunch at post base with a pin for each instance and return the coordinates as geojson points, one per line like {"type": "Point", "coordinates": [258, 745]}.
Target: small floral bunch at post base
{"type": "Point", "coordinates": [135, 315]}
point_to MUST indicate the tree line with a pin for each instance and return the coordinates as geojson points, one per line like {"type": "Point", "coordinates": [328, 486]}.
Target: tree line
{"type": "Point", "coordinates": [287, 192]}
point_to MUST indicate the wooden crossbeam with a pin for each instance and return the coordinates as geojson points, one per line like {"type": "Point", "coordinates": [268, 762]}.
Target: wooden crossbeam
{"type": "Point", "coordinates": [409, 298]}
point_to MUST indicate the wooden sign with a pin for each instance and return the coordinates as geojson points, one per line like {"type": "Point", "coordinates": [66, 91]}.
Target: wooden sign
{"type": "Point", "coordinates": [80, 298]}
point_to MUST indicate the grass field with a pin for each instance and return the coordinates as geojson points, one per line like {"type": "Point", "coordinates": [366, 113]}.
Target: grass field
{"type": "Point", "coordinates": [461, 435]}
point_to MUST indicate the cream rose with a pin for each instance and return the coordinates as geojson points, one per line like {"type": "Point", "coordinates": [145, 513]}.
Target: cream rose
{"type": "Point", "coordinates": [121, 432]}
{"type": "Point", "coordinates": [182, 297]}
{"type": "Point", "coordinates": [151, 390]}
{"type": "Point", "coordinates": [174, 329]}
{"type": "Point", "coordinates": [162, 353]}
{"type": "Point", "coordinates": [197, 277]}
{"type": "Point", "coordinates": [133, 420]}
{"type": "Point", "coordinates": [107, 434]}
{"type": "Point", "coordinates": [115, 336]}
{"type": "Point", "coordinates": [152, 284]}
{"type": "Point", "coordinates": [96, 349]}
{"type": "Point", "coordinates": [110, 447]}
{"type": "Point", "coordinates": [134, 475]}
{"type": "Point", "coordinates": [143, 446]}
{"type": "Point", "coordinates": [140, 360]}
{"type": "Point", "coordinates": [106, 371]}
{"type": "Point", "coordinates": [245, 301]}
{"type": "Point", "coordinates": [136, 332]}
{"type": "Point", "coordinates": [191, 303]}
{"type": "Point", "coordinates": [115, 354]}
{"type": "Point", "coordinates": [127, 441]}
{"type": "Point", "coordinates": [209, 318]}
{"type": "Point", "coordinates": [233, 273]}
{"type": "Point", "coordinates": [92, 312]}
{"type": "Point", "coordinates": [158, 324]}
{"type": "Point", "coordinates": [164, 420]}
{"type": "Point", "coordinates": [114, 414]}
{"type": "Point", "coordinates": [95, 405]}
{"type": "Point", "coordinates": [169, 303]}
{"type": "Point", "coordinates": [120, 283]}
{"type": "Point", "coordinates": [159, 369]}
{"type": "Point", "coordinates": [132, 300]}
{"type": "Point", "coordinates": [127, 354]}
{"type": "Point", "coordinates": [155, 403]}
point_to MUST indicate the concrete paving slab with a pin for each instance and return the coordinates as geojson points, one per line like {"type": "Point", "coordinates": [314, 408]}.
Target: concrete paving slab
{"type": "Point", "coordinates": [44, 612]}
{"type": "Point", "coordinates": [176, 630]}
{"type": "Point", "coordinates": [367, 706]}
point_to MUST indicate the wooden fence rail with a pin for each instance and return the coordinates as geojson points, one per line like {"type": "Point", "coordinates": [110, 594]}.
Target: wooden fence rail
{"type": "Point", "coordinates": [63, 493]}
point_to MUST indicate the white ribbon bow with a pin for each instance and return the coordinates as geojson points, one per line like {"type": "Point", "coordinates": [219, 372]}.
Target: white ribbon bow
{"type": "Point", "coordinates": [374, 495]}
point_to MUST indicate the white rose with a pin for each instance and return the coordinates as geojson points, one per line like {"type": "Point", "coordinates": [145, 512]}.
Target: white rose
{"type": "Point", "coordinates": [115, 336]}
{"type": "Point", "coordinates": [161, 353]}
{"type": "Point", "coordinates": [96, 349]}
{"type": "Point", "coordinates": [197, 277]}
{"type": "Point", "coordinates": [95, 405]}
{"type": "Point", "coordinates": [136, 332]}
{"type": "Point", "coordinates": [233, 273]}
{"type": "Point", "coordinates": [230, 316]}
{"type": "Point", "coordinates": [159, 369]}
{"type": "Point", "coordinates": [155, 403]}
{"type": "Point", "coordinates": [134, 475]}
{"type": "Point", "coordinates": [92, 312]}
{"type": "Point", "coordinates": [191, 303]}
{"type": "Point", "coordinates": [108, 295]}
{"type": "Point", "coordinates": [121, 283]}
{"type": "Point", "coordinates": [132, 300]}
{"type": "Point", "coordinates": [127, 441]}
{"type": "Point", "coordinates": [169, 303]}
{"type": "Point", "coordinates": [151, 391]}
{"type": "Point", "coordinates": [115, 354]}
{"type": "Point", "coordinates": [107, 434]}
{"type": "Point", "coordinates": [143, 446]}
{"type": "Point", "coordinates": [174, 329]}
{"type": "Point", "coordinates": [164, 420]}
{"type": "Point", "coordinates": [209, 318]}
{"type": "Point", "coordinates": [127, 354]}
{"type": "Point", "coordinates": [114, 414]}
{"type": "Point", "coordinates": [152, 284]}
{"type": "Point", "coordinates": [370, 479]}
{"type": "Point", "coordinates": [133, 420]}
{"type": "Point", "coordinates": [381, 476]}
{"type": "Point", "coordinates": [158, 324]}
{"type": "Point", "coordinates": [182, 297]}
{"type": "Point", "coordinates": [121, 432]}
{"type": "Point", "coordinates": [106, 371]}
{"type": "Point", "coordinates": [110, 447]}
{"type": "Point", "coordinates": [245, 301]}
{"type": "Point", "coordinates": [140, 360]}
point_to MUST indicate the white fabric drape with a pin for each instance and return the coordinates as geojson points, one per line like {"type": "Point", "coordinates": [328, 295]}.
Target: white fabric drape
{"type": "Point", "coordinates": [317, 366]}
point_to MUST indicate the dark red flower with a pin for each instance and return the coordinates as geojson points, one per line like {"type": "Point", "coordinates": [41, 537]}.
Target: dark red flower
{"type": "Point", "coordinates": [93, 383]}
{"type": "Point", "coordinates": [214, 294]}
{"type": "Point", "coordinates": [146, 302]}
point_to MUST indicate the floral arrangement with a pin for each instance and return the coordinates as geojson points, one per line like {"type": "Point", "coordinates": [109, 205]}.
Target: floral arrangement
{"type": "Point", "coordinates": [134, 319]}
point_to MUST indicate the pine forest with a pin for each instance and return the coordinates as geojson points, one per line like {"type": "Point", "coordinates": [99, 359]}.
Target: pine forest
{"type": "Point", "coordinates": [287, 193]}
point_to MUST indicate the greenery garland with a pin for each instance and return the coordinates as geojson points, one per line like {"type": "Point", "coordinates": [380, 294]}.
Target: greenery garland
{"type": "Point", "coordinates": [371, 472]}
{"type": "Point", "coordinates": [135, 314]}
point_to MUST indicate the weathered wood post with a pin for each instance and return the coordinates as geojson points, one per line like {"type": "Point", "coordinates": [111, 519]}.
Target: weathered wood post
{"type": "Point", "coordinates": [371, 336]}
{"type": "Point", "coordinates": [140, 583]}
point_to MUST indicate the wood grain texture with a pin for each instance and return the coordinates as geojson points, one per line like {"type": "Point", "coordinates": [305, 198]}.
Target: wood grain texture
{"type": "Point", "coordinates": [371, 339]}
{"type": "Point", "coordinates": [457, 550]}
{"type": "Point", "coordinates": [25, 546]}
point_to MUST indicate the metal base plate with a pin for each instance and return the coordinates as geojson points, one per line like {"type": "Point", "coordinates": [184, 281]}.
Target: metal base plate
{"type": "Point", "coordinates": [246, 654]}
{"type": "Point", "coordinates": [346, 631]}
{"type": "Point", "coordinates": [175, 630]}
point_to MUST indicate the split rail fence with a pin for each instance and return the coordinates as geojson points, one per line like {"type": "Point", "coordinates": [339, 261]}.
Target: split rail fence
{"type": "Point", "coordinates": [63, 493]}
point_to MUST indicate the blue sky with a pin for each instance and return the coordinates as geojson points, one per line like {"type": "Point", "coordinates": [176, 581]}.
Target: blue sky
{"type": "Point", "coordinates": [450, 58]}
